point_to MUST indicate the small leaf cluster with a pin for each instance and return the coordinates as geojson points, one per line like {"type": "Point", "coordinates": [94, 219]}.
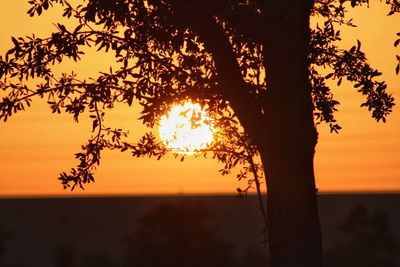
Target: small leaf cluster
{"type": "Point", "coordinates": [349, 64]}
{"type": "Point", "coordinates": [396, 43]}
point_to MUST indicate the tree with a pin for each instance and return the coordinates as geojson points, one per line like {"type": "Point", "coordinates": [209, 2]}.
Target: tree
{"type": "Point", "coordinates": [368, 241]}
{"type": "Point", "coordinates": [173, 234]}
{"type": "Point", "coordinates": [255, 65]}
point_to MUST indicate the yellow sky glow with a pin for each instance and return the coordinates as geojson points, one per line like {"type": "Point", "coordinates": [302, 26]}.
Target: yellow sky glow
{"type": "Point", "coordinates": [35, 146]}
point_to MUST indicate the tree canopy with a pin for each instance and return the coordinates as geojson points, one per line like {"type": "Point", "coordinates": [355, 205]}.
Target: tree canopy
{"type": "Point", "coordinates": [162, 60]}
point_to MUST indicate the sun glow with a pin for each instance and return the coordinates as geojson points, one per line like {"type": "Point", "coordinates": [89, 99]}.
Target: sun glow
{"type": "Point", "coordinates": [186, 128]}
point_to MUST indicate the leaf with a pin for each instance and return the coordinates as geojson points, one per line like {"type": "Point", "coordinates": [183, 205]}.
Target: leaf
{"type": "Point", "coordinates": [15, 41]}
{"type": "Point", "coordinates": [46, 5]}
{"type": "Point", "coordinates": [94, 125]}
{"type": "Point", "coordinates": [329, 76]}
{"type": "Point", "coordinates": [77, 29]}
{"type": "Point", "coordinates": [61, 27]}
{"type": "Point", "coordinates": [31, 11]}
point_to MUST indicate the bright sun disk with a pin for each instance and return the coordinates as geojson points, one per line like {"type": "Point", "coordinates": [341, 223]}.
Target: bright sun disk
{"type": "Point", "coordinates": [186, 128]}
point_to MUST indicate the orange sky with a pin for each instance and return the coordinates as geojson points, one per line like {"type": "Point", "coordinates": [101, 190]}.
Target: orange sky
{"type": "Point", "coordinates": [36, 145]}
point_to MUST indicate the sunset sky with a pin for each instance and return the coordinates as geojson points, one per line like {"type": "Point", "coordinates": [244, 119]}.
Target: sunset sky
{"type": "Point", "coordinates": [35, 146]}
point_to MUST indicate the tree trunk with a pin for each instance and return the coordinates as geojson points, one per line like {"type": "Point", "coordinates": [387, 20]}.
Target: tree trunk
{"type": "Point", "coordinates": [282, 128]}
{"type": "Point", "coordinates": [288, 140]}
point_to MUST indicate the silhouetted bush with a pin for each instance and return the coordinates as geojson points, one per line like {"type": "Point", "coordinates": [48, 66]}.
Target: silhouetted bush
{"type": "Point", "coordinates": [367, 241]}
{"type": "Point", "coordinates": [178, 235]}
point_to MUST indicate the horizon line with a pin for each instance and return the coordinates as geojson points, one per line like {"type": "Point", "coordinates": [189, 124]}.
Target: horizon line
{"type": "Point", "coordinates": [182, 194]}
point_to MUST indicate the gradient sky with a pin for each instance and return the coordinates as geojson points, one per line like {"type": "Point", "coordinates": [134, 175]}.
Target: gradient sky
{"type": "Point", "coordinates": [35, 146]}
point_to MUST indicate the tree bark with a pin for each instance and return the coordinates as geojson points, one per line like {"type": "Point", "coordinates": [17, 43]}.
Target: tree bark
{"type": "Point", "coordinates": [288, 139]}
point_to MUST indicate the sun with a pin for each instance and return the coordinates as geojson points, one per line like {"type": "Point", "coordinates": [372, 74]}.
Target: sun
{"type": "Point", "coordinates": [186, 128]}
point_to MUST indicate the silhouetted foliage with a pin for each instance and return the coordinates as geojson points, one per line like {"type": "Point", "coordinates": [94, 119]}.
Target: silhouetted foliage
{"type": "Point", "coordinates": [177, 234]}
{"type": "Point", "coordinates": [367, 241]}
{"type": "Point", "coordinates": [161, 63]}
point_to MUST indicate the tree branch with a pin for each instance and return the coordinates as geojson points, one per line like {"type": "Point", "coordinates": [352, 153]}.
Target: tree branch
{"type": "Point", "coordinates": [199, 17]}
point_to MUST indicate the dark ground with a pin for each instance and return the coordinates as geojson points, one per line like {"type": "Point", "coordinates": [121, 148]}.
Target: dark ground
{"type": "Point", "coordinates": [358, 230]}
